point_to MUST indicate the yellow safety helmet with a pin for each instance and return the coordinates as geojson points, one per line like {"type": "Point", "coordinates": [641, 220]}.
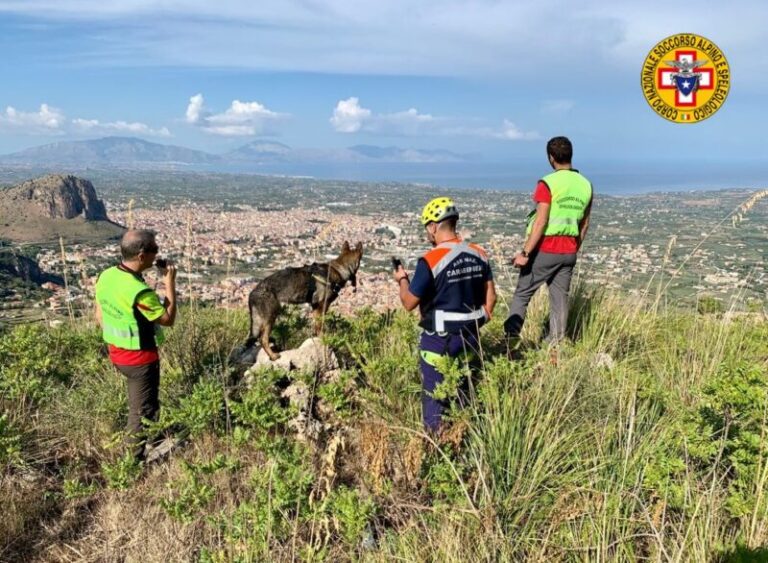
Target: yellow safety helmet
{"type": "Point", "coordinates": [437, 210]}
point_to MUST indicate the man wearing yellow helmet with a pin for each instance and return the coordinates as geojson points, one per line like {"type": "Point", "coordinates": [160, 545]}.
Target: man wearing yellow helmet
{"type": "Point", "coordinates": [454, 290]}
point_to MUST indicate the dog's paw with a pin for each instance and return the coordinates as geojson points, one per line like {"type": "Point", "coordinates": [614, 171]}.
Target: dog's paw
{"type": "Point", "coordinates": [274, 357]}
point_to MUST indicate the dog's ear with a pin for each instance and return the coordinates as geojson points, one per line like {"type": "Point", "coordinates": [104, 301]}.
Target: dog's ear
{"type": "Point", "coordinates": [345, 248]}
{"type": "Point", "coordinates": [359, 246]}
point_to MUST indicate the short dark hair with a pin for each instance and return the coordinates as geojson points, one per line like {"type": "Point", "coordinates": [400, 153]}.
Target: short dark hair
{"type": "Point", "coordinates": [448, 224]}
{"type": "Point", "coordinates": [135, 242]}
{"type": "Point", "coordinates": [560, 149]}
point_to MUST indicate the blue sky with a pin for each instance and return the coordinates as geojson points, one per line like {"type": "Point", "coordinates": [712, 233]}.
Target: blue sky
{"type": "Point", "coordinates": [491, 77]}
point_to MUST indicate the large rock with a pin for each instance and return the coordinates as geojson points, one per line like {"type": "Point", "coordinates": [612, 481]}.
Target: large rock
{"type": "Point", "coordinates": [52, 207]}
{"type": "Point", "coordinates": [57, 196]}
{"type": "Point", "coordinates": [312, 355]}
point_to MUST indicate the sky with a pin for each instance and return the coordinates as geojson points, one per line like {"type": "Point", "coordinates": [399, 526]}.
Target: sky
{"type": "Point", "coordinates": [495, 78]}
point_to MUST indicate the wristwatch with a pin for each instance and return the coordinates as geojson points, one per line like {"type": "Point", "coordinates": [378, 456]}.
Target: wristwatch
{"type": "Point", "coordinates": [524, 253]}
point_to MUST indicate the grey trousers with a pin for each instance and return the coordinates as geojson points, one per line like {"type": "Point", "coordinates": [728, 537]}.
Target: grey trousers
{"type": "Point", "coordinates": [554, 269]}
{"type": "Point", "coordinates": [143, 389]}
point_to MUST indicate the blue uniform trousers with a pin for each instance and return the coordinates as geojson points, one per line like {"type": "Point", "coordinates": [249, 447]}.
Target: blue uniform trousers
{"type": "Point", "coordinates": [454, 346]}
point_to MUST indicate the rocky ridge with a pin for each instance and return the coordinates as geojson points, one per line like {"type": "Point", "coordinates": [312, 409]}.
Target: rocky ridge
{"type": "Point", "coordinates": [58, 196]}
{"type": "Point", "coordinates": [52, 206]}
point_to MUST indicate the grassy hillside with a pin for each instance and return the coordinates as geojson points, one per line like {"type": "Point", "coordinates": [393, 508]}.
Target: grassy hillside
{"type": "Point", "coordinates": [645, 441]}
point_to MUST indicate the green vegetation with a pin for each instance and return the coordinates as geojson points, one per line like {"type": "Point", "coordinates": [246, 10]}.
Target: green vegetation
{"type": "Point", "coordinates": [645, 440]}
{"type": "Point", "coordinates": [14, 277]}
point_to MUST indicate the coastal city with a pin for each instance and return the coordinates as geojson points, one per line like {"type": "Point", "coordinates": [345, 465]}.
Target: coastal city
{"type": "Point", "coordinates": [226, 233]}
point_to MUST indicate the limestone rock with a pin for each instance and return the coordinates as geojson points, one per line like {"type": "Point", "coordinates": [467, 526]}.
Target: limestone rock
{"type": "Point", "coordinates": [58, 196]}
{"type": "Point", "coordinates": [244, 356]}
{"type": "Point", "coordinates": [297, 394]}
{"type": "Point", "coordinates": [312, 355]}
{"type": "Point", "coordinates": [307, 428]}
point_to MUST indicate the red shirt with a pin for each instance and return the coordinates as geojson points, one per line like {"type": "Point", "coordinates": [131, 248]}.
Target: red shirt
{"type": "Point", "coordinates": [148, 304]}
{"type": "Point", "coordinates": [123, 357]}
{"type": "Point", "coordinates": [556, 244]}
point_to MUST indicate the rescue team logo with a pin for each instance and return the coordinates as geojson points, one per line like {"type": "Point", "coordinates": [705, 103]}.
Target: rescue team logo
{"type": "Point", "coordinates": [685, 78]}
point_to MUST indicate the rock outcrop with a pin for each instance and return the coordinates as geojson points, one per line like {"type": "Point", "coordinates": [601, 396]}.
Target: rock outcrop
{"type": "Point", "coordinates": [19, 266]}
{"type": "Point", "coordinates": [312, 355]}
{"type": "Point", "coordinates": [57, 205]}
{"type": "Point", "coordinates": [18, 270]}
{"type": "Point", "coordinates": [57, 196]}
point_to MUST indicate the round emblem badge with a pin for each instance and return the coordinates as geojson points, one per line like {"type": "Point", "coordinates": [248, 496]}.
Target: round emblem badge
{"type": "Point", "coordinates": [685, 78]}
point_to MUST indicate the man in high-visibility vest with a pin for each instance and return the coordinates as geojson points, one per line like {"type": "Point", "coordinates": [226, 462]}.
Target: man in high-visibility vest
{"type": "Point", "coordinates": [130, 314]}
{"type": "Point", "coordinates": [555, 232]}
{"type": "Point", "coordinates": [454, 290]}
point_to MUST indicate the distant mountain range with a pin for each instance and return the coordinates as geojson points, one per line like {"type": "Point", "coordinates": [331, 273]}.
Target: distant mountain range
{"type": "Point", "coordinates": [130, 152]}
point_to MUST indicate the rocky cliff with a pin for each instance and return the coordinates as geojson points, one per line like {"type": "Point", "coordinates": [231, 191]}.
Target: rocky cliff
{"type": "Point", "coordinates": [58, 197]}
{"type": "Point", "coordinates": [53, 206]}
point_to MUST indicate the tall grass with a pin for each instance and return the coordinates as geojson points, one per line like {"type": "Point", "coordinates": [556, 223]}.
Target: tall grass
{"type": "Point", "coordinates": [645, 441]}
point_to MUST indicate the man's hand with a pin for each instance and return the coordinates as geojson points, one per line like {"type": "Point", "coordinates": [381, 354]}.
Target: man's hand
{"type": "Point", "coordinates": [520, 261]}
{"type": "Point", "coordinates": [169, 275]}
{"type": "Point", "coordinates": [408, 299]}
{"type": "Point", "coordinates": [169, 280]}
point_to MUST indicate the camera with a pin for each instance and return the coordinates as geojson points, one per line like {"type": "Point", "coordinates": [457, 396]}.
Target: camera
{"type": "Point", "coordinates": [161, 263]}
{"type": "Point", "coordinates": [396, 263]}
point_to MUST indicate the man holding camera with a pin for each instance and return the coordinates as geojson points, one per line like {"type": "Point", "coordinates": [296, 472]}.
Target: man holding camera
{"type": "Point", "coordinates": [454, 290]}
{"type": "Point", "coordinates": [131, 316]}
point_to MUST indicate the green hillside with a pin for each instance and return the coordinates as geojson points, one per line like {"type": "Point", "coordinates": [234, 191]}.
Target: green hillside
{"type": "Point", "coordinates": [644, 441]}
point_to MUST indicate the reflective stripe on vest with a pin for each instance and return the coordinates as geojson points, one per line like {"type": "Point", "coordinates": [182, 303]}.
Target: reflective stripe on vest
{"type": "Point", "coordinates": [116, 292]}
{"type": "Point", "coordinates": [442, 316]}
{"type": "Point", "coordinates": [458, 269]}
{"type": "Point", "coordinates": [456, 249]}
{"type": "Point", "coordinates": [571, 193]}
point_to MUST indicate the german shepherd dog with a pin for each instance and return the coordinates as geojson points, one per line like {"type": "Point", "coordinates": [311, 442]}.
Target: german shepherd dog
{"type": "Point", "coordinates": [316, 284]}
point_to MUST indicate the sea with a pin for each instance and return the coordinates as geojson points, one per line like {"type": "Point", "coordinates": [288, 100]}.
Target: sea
{"type": "Point", "coordinates": [614, 178]}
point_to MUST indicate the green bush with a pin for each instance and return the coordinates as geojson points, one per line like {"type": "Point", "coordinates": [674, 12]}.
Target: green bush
{"type": "Point", "coordinates": [259, 406]}
{"type": "Point", "coordinates": [201, 411]}
{"type": "Point", "coordinates": [708, 305]}
{"type": "Point", "coordinates": [121, 473]}
{"type": "Point", "coordinates": [730, 428]}
{"type": "Point", "coordinates": [352, 513]}
{"type": "Point", "coordinates": [189, 496]}
{"type": "Point", "coordinates": [10, 442]}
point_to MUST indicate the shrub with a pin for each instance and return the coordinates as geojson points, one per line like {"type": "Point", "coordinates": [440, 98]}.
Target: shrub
{"type": "Point", "coordinates": [351, 513]}
{"type": "Point", "coordinates": [10, 442]}
{"type": "Point", "coordinates": [259, 406]}
{"type": "Point", "coordinates": [730, 427]}
{"type": "Point", "coordinates": [121, 473]}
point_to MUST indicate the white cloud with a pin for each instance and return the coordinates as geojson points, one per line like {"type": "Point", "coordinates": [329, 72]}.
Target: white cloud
{"type": "Point", "coordinates": [49, 120]}
{"type": "Point", "coordinates": [511, 132]}
{"type": "Point", "coordinates": [350, 117]}
{"type": "Point", "coordinates": [133, 128]}
{"type": "Point", "coordinates": [195, 109]}
{"type": "Point", "coordinates": [240, 119]}
{"type": "Point", "coordinates": [456, 38]}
